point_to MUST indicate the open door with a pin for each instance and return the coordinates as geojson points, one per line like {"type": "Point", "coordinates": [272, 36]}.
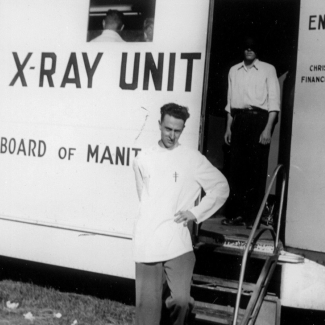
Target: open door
{"type": "Point", "coordinates": [277, 33]}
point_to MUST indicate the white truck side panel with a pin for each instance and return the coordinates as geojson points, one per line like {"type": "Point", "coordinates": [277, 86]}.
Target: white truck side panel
{"type": "Point", "coordinates": [68, 139]}
{"type": "Point", "coordinates": [306, 204]}
{"type": "Point", "coordinates": [66, 248]}
{"type": "Point", "coordinates": [302, 285]}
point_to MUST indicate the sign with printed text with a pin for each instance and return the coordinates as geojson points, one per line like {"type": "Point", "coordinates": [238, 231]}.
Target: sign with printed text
{"type": "Point", "coordinates": [75, 112]}
{"type": "Point", "coordinates": [305, 209]}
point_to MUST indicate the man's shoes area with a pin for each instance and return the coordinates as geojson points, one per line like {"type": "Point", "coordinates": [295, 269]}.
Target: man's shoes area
{"type": "Point", "coordinates": [267, 220]}
{"type": "Point", "coordinates": [238, 221]}
{"type": "Point", "coordinates": [250, 226]}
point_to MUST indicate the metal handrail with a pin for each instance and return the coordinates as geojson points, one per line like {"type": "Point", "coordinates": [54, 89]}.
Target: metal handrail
{"type": "Point", "coordinates": [252, 234]}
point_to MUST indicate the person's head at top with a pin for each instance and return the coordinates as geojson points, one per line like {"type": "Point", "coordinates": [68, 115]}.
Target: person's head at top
{"type": "Point", "coordinates": [171, 124]}
{"type": "Point", "coordinates": [251, 50]}
{"type": "Point", "coordinates": [148, 27]}
{"type": "Point", "coordinates": [113, 21]}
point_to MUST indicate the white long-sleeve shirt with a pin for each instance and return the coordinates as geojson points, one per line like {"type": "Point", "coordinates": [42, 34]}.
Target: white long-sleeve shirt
{"type": "Point", "coordinates": [108, 36]}
{"type": "Point", "coordinates": [169, 181]}
{"type": "Point", "coordinates": [257, 86]}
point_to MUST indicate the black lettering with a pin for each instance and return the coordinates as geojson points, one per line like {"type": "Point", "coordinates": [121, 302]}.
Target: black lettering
{"type": "Point", "coordinates": [47, 72]}
{"type": "Point", "coordinates": [312, 19]}
{"type": "Point", "coordinates": [31, 147]}
{"type": "Point", "coordinates": [190, 57]}
{"type": "Point", "coordinates": [108, 157]}
{"type": "Point", "coordinates": [21, 147]}
{"type": "Point", "coordinates": [91, 70]}
{"type": "Point", "coordinates": [171, 72]}
{"type": "Point", "coordinates": [62, 153]}
{"type": "Point", "coordinates": [72, 64]}
{"type": "Point", "coordinates": [321, 22]}
{"type": "Point", "coordinates": [136, 151]}
{"type": "Point", "coordinates": [20, 68]}
{"type": "Point", "coordinates": [12, 144]}
{"type": "Point", "coordinates": [92, 153]}
{"type": "Point", "coordinates": [71, 152]}
{"type": "Point", "coordinates": [134, 84]}
{"type": "Point", "coordinates": [3, 145]}
{"type": "Point", "coordinates": [119, 155]}
{"type": "Point", "coordinates": [128, 157]}
{"type": "Point", "coordinates": [10, 148]}
{"type": "Point", "coordinates": [156, 72]}
{"type": "Point", "coordinates": [41, 148]}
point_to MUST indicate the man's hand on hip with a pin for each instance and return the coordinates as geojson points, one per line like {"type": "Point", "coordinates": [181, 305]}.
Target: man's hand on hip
{"type": "Point", "coordinates": [184, 216]}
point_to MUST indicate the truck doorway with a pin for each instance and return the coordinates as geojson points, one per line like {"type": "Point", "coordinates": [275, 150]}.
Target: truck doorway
{"type": "Point", "coordinates": [275, 24]}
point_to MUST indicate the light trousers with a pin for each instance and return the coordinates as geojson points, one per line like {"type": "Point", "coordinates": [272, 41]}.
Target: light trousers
{"type": "Point", "coordinates": [151, 280]}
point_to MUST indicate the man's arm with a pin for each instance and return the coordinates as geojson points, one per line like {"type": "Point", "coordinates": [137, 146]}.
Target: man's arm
{"type": "Point", "coordinates": [266, 135]}
{"type": "Point", "coordinates": [227, 135]}
{"type": "Point", "coordinates": [273, 89]}
{"type": "Point", "coordinates": [215, 187]}
{"type": "Point", "coordinates": [216, 191]}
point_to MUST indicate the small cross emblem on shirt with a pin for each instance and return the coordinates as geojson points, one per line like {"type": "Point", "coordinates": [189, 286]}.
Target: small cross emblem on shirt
{"type": "Point", "coordinates": [175, 175]}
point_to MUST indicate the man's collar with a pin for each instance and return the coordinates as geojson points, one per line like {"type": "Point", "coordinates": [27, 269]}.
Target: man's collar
{"type": "Point", "coordinates": [255, 64]}
{"type": "Point", "coordinates": [162, 146]}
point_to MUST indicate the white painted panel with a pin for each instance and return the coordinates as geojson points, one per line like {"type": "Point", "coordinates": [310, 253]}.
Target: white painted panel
{"type": "Point", "coordinates": [302, 285]}
{"type": "Point", "coordinates": [66, 248]}
{"type": "Point", "coordinates": [51, 126]}
{"type": "Point", "coordinates": [306, 204]}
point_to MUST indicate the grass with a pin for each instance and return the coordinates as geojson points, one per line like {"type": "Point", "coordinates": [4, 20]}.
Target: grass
{"type": "Point", "coordinates": [45, 303]}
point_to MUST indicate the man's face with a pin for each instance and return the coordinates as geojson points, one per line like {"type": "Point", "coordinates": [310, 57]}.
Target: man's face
{"type": "Point", "coordinates": [171, 129]}
{"type": "Point", "coordinates": [250, 55]}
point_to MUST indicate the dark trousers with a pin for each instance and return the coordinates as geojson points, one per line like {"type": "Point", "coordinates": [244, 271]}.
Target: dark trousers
{"type": "Point", "coordinates": [248, 163]}
{"type": "Point", "coordinates": [151, 279]}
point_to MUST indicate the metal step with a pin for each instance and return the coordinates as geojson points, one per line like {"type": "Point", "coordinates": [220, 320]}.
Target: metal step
{"type": "Point", "coordinates": [217, 284]}
{"type": "Point", "coordinates": [219, 313]}
{"type": "Point", "coordinates": [256, 310]}
{"type": "Point", "coordinates": [214, 314]}
{"type": "Point", "coordinates": [259, 251]}
{"type": "Point", "coordinates": [269, 313]}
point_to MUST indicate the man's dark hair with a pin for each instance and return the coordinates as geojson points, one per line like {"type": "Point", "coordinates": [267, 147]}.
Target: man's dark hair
{"type": "Point", "coordinates": [114, 19]}
{"type": "Point", "coordinates": [252, 43]}
{"type": "Point", "coordinates": [175, 110]}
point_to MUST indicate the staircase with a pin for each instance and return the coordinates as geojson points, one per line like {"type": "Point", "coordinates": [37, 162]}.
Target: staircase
{"type": "Point", "coordinates": [234, 270]}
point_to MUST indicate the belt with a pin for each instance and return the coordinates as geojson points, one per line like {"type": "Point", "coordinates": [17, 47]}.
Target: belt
{"type": "Point", "coordinates": [253, 110]}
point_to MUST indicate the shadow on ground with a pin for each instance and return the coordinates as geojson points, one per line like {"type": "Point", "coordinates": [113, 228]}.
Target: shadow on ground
{"type": "Point", "coordinates": [68, 280]}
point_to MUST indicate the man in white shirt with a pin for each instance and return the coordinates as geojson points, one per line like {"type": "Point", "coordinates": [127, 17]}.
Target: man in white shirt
{"type": "Point", "coordinates": [252, 109]}
{"type": "Point", "coordinates": [112, 25]}
{"type": "Point", "coordinates": [169, 178]}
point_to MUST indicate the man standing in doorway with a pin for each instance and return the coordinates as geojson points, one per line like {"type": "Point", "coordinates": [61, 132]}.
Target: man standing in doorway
{"type": "Point", "coordinates": [169, 178]}
{"type": "Point", "coordinates": [252, 109]}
